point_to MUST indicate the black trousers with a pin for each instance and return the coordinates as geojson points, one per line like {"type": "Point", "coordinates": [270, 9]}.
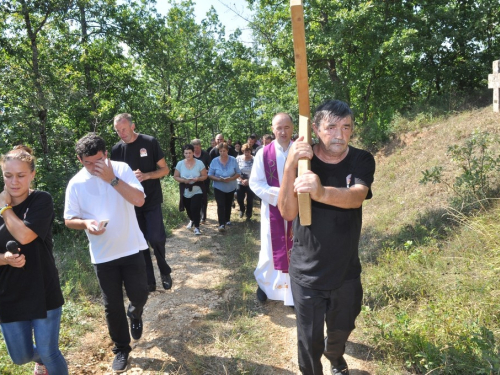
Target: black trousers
{"type": "Point", "coordinates": [205, 204]}
{"type": "Point", "coordinates": [151, 225]}
{"type": "Point", "coordinates": [193, 208]}
{"type": "Point", "coordinates": [240, 197]}
{"type": "Point", "coordinates": [129, 271]}
{"type": "Point", "coordinates": [224, 205]}
{"type": "Point", "coordinates": [314, 308]}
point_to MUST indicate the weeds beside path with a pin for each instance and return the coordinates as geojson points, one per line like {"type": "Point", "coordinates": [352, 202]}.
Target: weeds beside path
{"type": "Point", "coordinates": [210, 321]}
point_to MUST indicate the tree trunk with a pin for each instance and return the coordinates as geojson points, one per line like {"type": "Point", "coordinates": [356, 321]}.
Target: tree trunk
{"type": "Point", "coordinates": [87, 70]}
{"type": "Point", "coordinates": [41, 110]}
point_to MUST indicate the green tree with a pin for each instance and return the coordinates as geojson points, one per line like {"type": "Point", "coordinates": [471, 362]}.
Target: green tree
{"type": "Point", "coordinates": [384, 56]}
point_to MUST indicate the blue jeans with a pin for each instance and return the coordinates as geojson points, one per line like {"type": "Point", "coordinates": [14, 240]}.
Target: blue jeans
{"type": "Point", "coordinates": [19, 339]}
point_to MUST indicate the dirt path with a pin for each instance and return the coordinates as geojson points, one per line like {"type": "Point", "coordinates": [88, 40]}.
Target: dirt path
{"type": "Point", "coordinates": [171, 318]}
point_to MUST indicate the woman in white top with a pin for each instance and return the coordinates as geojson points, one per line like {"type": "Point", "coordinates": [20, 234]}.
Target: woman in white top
{"type": "Point", "coordinates": [245, 162]}
{"type": "Point", "coordinates": [190, 174]}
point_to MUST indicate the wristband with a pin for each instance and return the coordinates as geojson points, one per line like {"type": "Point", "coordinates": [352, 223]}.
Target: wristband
{"type": "Point", "coordinates": [6, 207]}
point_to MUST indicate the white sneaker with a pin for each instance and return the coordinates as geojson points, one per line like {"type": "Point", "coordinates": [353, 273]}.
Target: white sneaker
{"type": "Point", "coordinates": [197, 231]}
{"type": "Point", "coordinates": [40, 369]}
{"type": "Point", "coordinates": [228, 223]}
{"type": "Point", "coordinates": [190, 225]}
{"type": "Point", "coordinates": [222, 228]}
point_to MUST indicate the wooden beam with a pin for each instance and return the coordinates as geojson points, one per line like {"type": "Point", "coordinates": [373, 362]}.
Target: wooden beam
{"type": "Point", "coordinates": [299, 47]}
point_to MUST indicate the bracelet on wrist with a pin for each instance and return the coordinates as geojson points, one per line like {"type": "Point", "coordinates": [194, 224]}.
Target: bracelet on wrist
{"type": "Point", "coordinates": [4, 208]}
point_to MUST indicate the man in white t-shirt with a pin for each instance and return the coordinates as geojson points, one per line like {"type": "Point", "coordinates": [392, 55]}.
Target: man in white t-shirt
{"type": "Point", "coordinates": [106, 192]}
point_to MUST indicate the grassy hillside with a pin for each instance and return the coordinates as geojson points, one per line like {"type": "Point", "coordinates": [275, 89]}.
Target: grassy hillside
{"type": "Point", "coordinates": [430, 273]}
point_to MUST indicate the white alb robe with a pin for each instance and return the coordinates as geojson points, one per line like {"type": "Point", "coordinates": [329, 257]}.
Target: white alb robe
{"type": "Point", "coordinates": [274, 283]}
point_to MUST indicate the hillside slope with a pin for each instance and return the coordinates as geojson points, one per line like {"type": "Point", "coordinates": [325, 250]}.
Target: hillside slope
{"type": "Point", "coordinates": [398, 198]}
{"type": "Point", "coordinates": [431, 298]}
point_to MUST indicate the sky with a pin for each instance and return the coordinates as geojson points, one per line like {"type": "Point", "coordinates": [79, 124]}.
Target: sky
{"type": "Point", "coordinates": [226, 16]}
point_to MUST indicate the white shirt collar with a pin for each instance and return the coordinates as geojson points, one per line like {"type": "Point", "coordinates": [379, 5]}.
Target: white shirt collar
{"type": "Point", "coordinates": [278, 146]}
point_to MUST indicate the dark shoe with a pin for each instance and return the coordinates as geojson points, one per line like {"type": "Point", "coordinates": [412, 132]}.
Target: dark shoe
{"type": "Point", "coordinates": [341, 368]}
{"type": "Point", "coordinates": [249, 218]}
{"type": "Point", "coordinates": [242, 213]}
{"type": "Point", "coordinates": [151, 287]}
{"type": "Point", "coordinates": [135, 328]}
{"type": "Point", "coordinates": [340, 371]}
{"type": "Point", "coordinates": [120, 362]}
{"type": "Point", "coordinates": [166, 280]}
{"type": "Point", "coordinates": [261, 295]}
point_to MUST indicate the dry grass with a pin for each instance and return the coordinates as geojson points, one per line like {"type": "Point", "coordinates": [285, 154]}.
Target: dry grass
{"type": "Point", "coordinates": [398, 199]}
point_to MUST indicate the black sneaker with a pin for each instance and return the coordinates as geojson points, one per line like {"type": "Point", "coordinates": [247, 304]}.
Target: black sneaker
{"type": "Point", "coordinates": [166, 280]}
{"type": "Point", "coordinates": [341, 368]}
{"type": "Point", "coordinates": [261, 295]}
{"type": "Point", "coordinates": [340, 371]}
{"type": "Point", "coordinates": [120, 362]}
{"type": "Point", "coordinates": [135, 328]}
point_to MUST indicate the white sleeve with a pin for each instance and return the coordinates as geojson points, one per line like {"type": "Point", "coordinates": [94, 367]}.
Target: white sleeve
{"type": "Point", "coordinates": [71, 205]}
{"type": "Point", "coordinates": [125, 173]}
{"type": "Point", "coordinates": [258, 182]}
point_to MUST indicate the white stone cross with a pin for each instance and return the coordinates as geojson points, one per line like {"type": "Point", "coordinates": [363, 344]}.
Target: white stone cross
{"type": "Point", "coordinates": [494, 83]}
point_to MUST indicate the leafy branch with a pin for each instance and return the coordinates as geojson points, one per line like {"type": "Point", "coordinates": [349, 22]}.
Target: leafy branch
{"type": "Point", "coordinates": [479, 166]}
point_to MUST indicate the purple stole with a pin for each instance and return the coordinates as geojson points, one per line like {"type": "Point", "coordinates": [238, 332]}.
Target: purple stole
{"type": "Point", "coordinates": [281, 243]}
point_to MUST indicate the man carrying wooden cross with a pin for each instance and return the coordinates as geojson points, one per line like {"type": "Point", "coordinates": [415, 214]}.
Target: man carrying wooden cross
{"type": "Point", "coordinates": [324, 263]}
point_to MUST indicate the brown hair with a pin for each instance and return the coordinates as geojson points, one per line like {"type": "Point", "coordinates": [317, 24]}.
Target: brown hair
{"type": "Point", "coordinates": [245, 147]}
{"type": "Point", "coordinates": [21, 153]}
{"type": "Point", "coordinates": [223, 145]}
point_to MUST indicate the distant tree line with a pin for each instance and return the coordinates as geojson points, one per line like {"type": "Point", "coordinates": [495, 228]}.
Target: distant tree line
{"type": "Point", "coordinates": [68, 66]}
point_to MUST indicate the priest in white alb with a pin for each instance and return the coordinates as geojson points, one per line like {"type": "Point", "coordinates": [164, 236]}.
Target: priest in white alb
{"type": "Point", "coordinates": [271, 273]}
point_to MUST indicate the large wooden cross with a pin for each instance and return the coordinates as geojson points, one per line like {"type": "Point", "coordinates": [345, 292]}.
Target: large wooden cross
{"type": "Point", "coordinates": [299, 47]}
{"type": "Point", "coordinates": [494, 83]}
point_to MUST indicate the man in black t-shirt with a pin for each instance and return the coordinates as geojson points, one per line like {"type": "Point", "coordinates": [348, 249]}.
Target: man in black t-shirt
{"type": "Point", "coordinates": [266, 139]}
{"type": "Point", "coordinates": [324, 263]}
{"type": "Point", "coordinates": [212, 145]}
{"type": "Point", "coordinates": [252, 141]}
{"type": "Point", "coordinates": [144, 155]}
{"type": "Point", "coordinates": [219, 138]}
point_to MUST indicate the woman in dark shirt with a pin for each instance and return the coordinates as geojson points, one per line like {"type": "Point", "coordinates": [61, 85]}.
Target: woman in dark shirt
{"type": "Point", "coordinates": [30, 293]}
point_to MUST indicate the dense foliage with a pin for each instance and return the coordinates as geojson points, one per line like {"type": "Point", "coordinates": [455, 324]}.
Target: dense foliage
{"type": "Point", "coordinates": [68, 66]}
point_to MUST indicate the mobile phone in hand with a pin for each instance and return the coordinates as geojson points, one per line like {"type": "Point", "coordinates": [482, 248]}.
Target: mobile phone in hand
{"type": "Point", "coordinates": [103, 224]}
